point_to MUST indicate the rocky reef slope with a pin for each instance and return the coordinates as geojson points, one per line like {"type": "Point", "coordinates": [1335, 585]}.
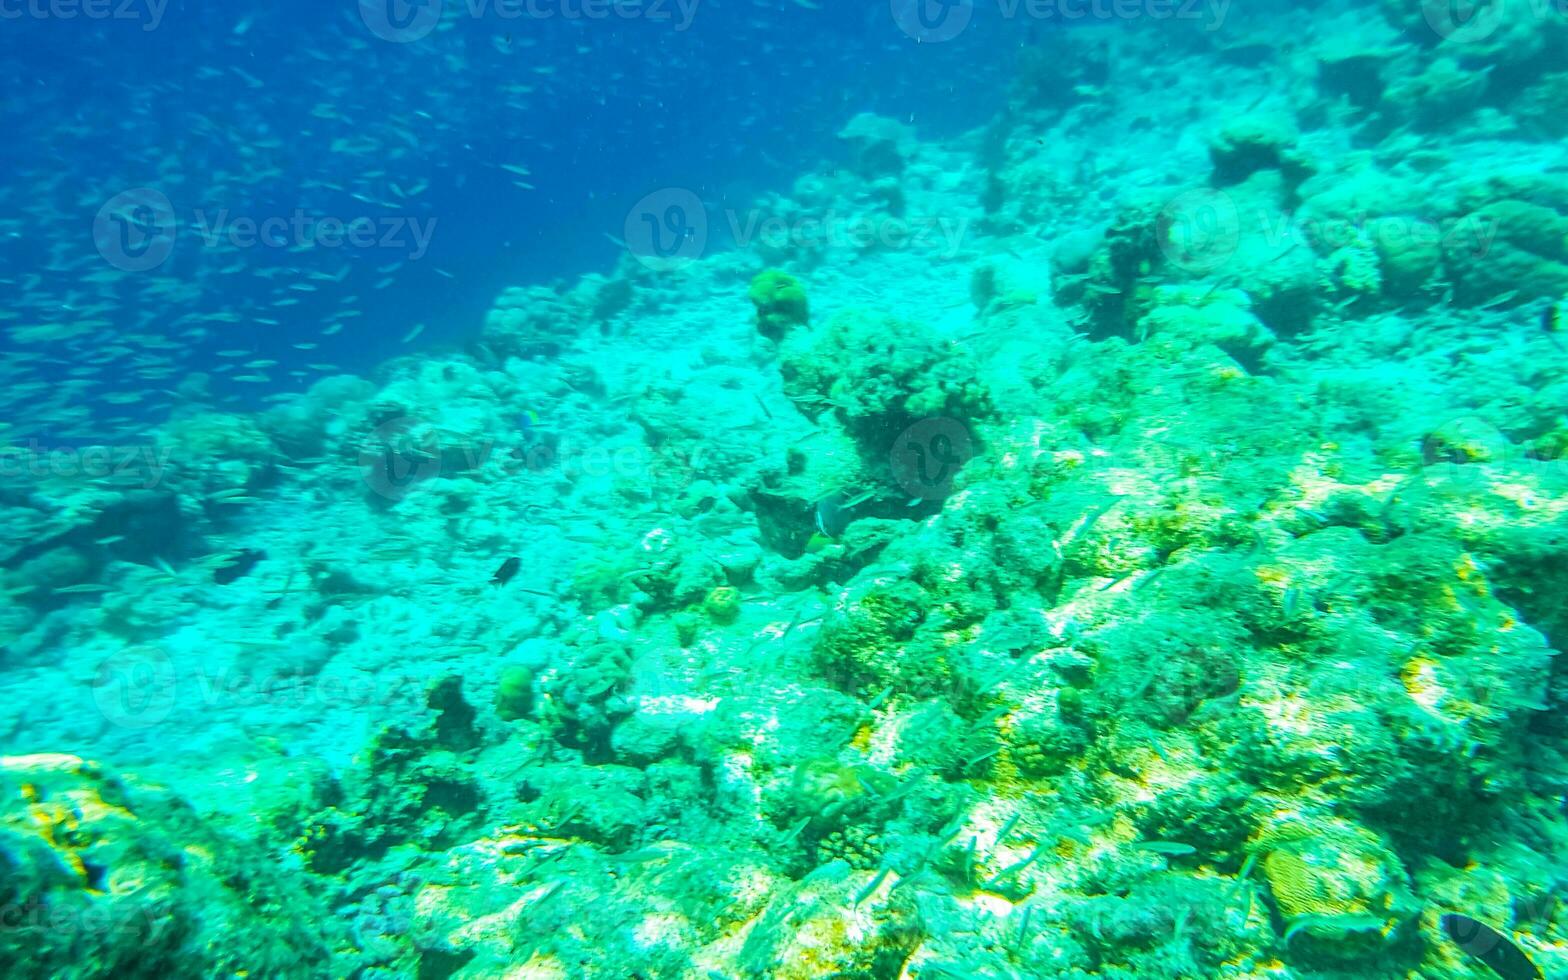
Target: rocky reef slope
{"type": "Point", "coordinates": [1136, 546]}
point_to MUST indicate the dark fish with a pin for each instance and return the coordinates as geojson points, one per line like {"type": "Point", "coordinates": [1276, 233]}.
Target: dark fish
{"type": "Point", "coordinates": [1490, 947]}
{"type": "Point", "coordinates": [832, 516]}
{"type": "Point", "coordinates": [1553, 322]}
{"type": "Point", "coordinates": [506, 572]}
{"type": "Point", "coordinates": [833, 513]}
{"type": "Point", "coordinates": [238, 567]}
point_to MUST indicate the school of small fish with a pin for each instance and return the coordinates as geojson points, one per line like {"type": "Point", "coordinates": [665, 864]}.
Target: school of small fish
{"type": "Point", "coordinates": [146, 140]}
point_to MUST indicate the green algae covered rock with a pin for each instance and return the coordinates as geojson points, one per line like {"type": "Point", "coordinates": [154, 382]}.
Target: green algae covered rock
{"type": "Point", "coordinates": [514, 695]}
{"type": "Point", "coordinates": [102, 879]}
{"type": "Point", "coordinates": [865, 644]}
{"type": "Point", "coordinates": [645, 738]}
{"type": "Point", "coordinates": [1111, 277]}
{"type": "Point", "coordinates": [1409, 253]}
{"type": "Point", "coordinates": [723, 604]}
{"type": "Point", "coordinates": [1250, 143]}
{"type": "Point", "coordinates": [411, 785]}
{"type": "Point", "coordinates": [602, 804]}
{"type": "Point", "coordinates": [1223, 318]}
{"type": "Point", "coordinates": [581, 703]}
{"type": "Point", "coordinates": [1508, 33]}
{"type": "Point", "coordinates": [1522, 256]}
{"type": "Point", "coordinates": [1539, 107]}
{"type": "Point", "coordinates": [877, 374]}
{"type": "Point", "coordinates": [1238, 234]}
{"type": "Point", "coordinates": [1435, 95]}
{"type": "Point", "coordinates": [1167, 926]}
{"type": "Point", "coordinates": [781, 303]}
{"type": "Point", "coordinates": [1049, 734]}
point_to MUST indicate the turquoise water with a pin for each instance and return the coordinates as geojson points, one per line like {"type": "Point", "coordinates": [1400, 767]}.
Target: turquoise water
{"type": "Point", "coordinates": [908, 489]}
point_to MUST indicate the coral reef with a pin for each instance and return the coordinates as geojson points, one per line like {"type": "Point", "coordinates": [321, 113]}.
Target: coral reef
{"type": "Point", "coordinates": [781, 303]}
{"type": "Point", "coordinates": [1163, 576]}
{"type": "Point", "coordinates": [105, 879]}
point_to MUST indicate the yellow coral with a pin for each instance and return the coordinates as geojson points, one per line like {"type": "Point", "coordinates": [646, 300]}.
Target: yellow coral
{"type": "Point", "coordinates": [1419, 676]}
{"type": "Point", "coordinates": [1300, 887]}
{"type": "Point", "coordinates": [861, 742]}
{"type": "Point", "coordinates": [1330, 877]}
{"type": "Point", "coordinates": [723, 604]}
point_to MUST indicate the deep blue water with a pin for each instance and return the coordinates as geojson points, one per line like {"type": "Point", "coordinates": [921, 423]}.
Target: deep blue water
{"type": "Point", "coordinates": [234, 110]}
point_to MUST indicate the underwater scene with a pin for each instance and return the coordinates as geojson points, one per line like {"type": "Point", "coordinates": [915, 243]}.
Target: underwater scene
{"type": "Point", "coordinates": [730, 489]}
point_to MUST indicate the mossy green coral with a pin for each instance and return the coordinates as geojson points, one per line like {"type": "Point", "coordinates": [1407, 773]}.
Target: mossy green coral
{"type": "Point", "coordinates": [723, 604]}
{"type": "Point", "coordinates": [514, 695]}
{"type": "Point", "coordinates": [781, 303]}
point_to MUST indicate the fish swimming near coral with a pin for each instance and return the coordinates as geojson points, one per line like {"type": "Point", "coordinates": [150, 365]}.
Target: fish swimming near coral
{"type": "Point", "coordinates": [831, 516]}
{"type": "Point", "coordinates": [507, 571]}
{"type": "Point", "coordinates": [1490, 947]}
{"type": "Point", "coordinates": [833, 512]}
